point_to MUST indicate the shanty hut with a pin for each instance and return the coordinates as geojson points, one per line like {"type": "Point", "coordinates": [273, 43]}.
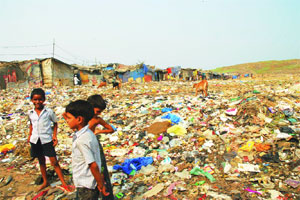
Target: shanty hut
{"type": "Point", "coordinates": [47, 72]}
{"type": "Point", "coordinates": [149, 73]}
{"type": "Point", "coordinates": [89, 75]}
{"type": "Point", "coordinates": [56, 72]}
{"type": "Point", "coordinates": [11, 74]}
{"type": "Point", "coordinates": [159, 74]}
{"type": "Point", "coordinates": [187, 74]}
{"type": "Point", "coordinates": [129, 73]}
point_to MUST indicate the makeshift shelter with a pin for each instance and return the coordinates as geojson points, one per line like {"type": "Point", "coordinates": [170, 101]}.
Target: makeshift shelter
{"type": "Point", "coordinates": [187, 74]}
{"type": "Point", "coordinates": [33, 72]}
{"type": "Point", "coordinates": [11, 74]}
{"type": "Point", "coordinates": [176, 71]}
{"type": "Point", "coordinates": [159, 74]}
{"type": "Point", "coordinates": [89, 75]}
{"type": "Point", "coordinates": [56, 72]}
{"type": "Point", "coordinates": [47, 72]}
{"type": "Point", "coordinates": [149, 72]}
{"type": "Point", "coordinates": [108, 70]}
{"type": "Point", "coordinates": [123, 72]}
{"type": "Point", "coordinates": [129, 73]}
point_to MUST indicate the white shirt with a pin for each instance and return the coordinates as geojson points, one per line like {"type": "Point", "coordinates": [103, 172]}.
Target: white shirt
{"type": "Point", "coordinates": [41, 125]}
{"type": "Point", "coordinates": [85, 150]}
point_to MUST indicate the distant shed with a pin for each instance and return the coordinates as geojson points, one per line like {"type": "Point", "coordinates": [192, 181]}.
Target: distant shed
{"type": "Point", "coordinates": [10, 73]}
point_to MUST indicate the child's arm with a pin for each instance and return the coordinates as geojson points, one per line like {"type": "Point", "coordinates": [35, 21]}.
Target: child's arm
{"type": "Point", "coordinates": [64, 115]}
{"type": "Point", "coordinates": [108, 128]}
{"type": "Point", "coordinates": [54, 137]}
{"type": "Point", "coordinates": [99, 178]}
{"type": "Point", "coordinates": [30, 132]}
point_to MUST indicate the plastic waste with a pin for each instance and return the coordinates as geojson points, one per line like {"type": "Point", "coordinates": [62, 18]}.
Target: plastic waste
{"type": "Point", "coordinates": [153, 191]}
{"type": "Point", "coordinates": [248, 167]}
{"type": "Point", "coordinates": [149, 169]}
{"type": "Point", "coordinates": [174, 118]}
{"type": "Point", "coordinates": [183, 175]}
{"type": "Point", "coordinates": [166, 110]}
{"type": "Point", "coordinates": [232, 111]}
{"type": "Point", "coordinates": [292, 183]}
{"type": "Point", "coordinates": [133, 164]}
{"type": "Point", "coordinates": [247, 147]}
{"type": "Point", "coordinates": [6, 148]}
{"type": "Point", "coordinates": [177, 130]}
{"type": "Point", "coordinates": [252, 191]}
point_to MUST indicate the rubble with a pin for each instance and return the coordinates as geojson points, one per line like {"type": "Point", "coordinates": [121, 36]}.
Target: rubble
{"type": "Point", "coordinates": [240, 142]}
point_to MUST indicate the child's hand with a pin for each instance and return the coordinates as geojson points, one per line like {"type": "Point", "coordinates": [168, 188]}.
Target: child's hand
{"type": "Point", "coordinates": [64, 115]}
{"type": "Point", "coordinates": [54, 139]}
{"type": "Point", "coordinates": [103, 190]}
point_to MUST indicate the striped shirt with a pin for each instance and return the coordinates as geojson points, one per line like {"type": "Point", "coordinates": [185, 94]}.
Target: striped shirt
{"type": "Point", "coordinates": [85, 150]}
{"type": "Point", "coordinates": [41, 125]}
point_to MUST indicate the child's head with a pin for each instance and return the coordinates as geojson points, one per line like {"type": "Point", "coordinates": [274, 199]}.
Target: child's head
{"type": "Point", "coordinates": [98, 103]}
{"type": "Point", "coordinates": [38, 98]}
{"type": "Point", "coordinates": [38, 91]}
{"type": "Point", "coordinates": [79, 109]}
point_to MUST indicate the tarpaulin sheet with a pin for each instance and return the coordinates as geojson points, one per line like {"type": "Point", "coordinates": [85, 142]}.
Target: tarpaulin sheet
{"type": "Point", "coordinates": [108, 68]}
{"type": "Point", "coordinates": [125, 77]}
{"type": "Point", "coordinates": [137, 74]}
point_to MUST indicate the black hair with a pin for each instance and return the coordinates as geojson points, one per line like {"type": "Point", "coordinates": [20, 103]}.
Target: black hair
{"type": "Point", "coordinates": [97, 101]}
{"type": "Point", "coordinates": [38, 91]}
{"type": "Point", "coordinates": [81, 108]}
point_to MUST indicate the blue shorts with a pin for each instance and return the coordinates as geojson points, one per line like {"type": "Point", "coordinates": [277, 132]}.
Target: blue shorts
{"type": "Point", "coordinates": [39, 149]}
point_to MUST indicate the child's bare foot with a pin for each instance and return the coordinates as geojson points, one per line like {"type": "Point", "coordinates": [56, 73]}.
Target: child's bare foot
{"type": "Point", "coordinates": [44, 185]}
{"type": "Point", "coordinates": [67, 188]}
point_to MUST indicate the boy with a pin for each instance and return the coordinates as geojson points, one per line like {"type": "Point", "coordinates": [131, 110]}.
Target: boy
{"type": "Point", "coordinates": [42, 137]}
{"type": "Point", "coordinates": [99, 105]}
{"type": "Point", "coordinates": [86, 159]}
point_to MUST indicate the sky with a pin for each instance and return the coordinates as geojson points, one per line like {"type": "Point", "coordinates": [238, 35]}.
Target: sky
{"type": "Point", "coordinates": [203, 34]}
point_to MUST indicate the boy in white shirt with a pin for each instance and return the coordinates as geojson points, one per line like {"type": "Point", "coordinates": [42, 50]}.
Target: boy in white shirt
{"type": "Point", "coordinates": [86, 161]}
{"type": "Point", "coordinates": [42, 136]}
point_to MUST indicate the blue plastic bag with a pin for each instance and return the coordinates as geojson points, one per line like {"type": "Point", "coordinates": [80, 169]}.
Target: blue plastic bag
{"type": "Point", "coordinates": [166, 110]}
{"type": "Point", "coordinates": [133, 164]}
{"type": "Point", "coordinates": [174, 118]}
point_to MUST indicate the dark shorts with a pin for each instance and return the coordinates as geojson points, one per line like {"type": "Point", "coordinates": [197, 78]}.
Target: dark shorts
{"type": "Point", "coordinates": [87, 194]}
{"type": "Point", "coordinates": [39, 149]}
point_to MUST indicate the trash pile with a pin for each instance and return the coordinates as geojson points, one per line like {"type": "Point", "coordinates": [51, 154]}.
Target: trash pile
{"type": "Point", "coordinates": [240, 142]}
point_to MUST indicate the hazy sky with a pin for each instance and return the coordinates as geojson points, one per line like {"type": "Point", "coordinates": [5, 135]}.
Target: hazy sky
{"type": "Point", "coordinates": [189, 33]}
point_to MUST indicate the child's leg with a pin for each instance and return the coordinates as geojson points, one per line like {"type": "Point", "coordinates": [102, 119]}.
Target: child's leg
{"type": "Point", "coordinates": [58, 170]}
{"type": "Point", "coordinates": [42, 162]}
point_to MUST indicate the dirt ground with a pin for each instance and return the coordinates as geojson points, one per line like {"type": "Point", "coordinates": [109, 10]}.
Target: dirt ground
{"type": "Point", "coordinates": [24, 182]}
{"type": "Point", "coordinates": [21, 184]}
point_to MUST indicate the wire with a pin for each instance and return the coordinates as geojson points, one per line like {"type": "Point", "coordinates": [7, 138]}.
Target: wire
{"type": "Point", "coordinates": [41, 45]}
{"type": "Point", "coordinates": [55, 55]}
{"type": "Point", "coordinates": [74, 56]}
{"type": "Point", "coordinates": [66, 51]}
{"type": "Point", "coordinates": [23, 54]}
{"type": "Point", "coordinates": [74, 59]}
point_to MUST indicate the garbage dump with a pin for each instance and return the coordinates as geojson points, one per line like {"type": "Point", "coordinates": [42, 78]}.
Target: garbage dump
{"type": "Point", "coordinates": [239, 142]}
